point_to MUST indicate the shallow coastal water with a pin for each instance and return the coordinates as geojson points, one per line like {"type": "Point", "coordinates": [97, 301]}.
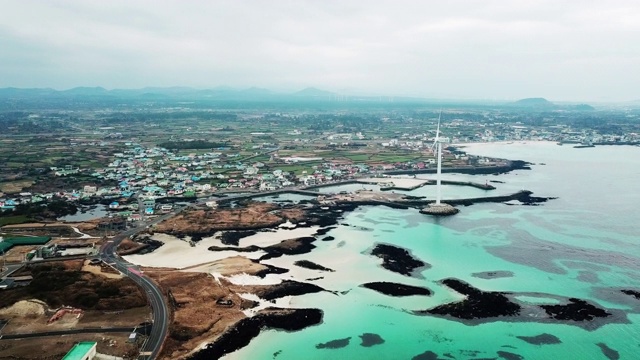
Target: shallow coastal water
{"type": "Point", "coordinates": [582, 245]}
{"type": "Point", "coordinates": [93, 213]}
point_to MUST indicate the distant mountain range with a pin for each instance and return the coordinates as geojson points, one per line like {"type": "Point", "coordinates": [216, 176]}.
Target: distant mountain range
{"type": "Point", "coordinates": [100, 95]}
{"type": "Point", "coordinates": [220, 93]}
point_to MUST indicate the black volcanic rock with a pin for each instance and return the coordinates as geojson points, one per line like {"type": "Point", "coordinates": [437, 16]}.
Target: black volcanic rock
{"type": "Point", "coordinates": [297, 246]}
{"type": "Point", "coordinates": [325, 230]}
{"type": "Point", "coordinates": [394, 289]}
{"type": "Point", "coordinates": [269, 270]}
{"type": "Point", "coordinates": [398, 259]}
{"type": "Point", "coordinates": [635, 294]}
{"type": "Point", "coordinates": [250, 248]}
{"type": "Point", "coordinates": [311, 265]}
{"type": "Point", "coordinates": [286, 247]}
{"type": "Point", "coordinates": [477, 305]}
{"type": "Point", "coordinates": [233, 237]}
{"type": "Point", "coordinates": [575, 310]}
{"type": "Point", "coordinates": [240, 334]}
{"type": "Point", "coordinates": [289, 288]}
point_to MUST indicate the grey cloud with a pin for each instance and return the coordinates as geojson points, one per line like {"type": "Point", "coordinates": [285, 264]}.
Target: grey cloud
{"type": "Point", "coordinates": [562, 50]}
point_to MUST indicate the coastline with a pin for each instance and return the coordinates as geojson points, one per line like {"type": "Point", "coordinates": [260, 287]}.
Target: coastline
{"type": "Point", "coordinates": [270, 239]}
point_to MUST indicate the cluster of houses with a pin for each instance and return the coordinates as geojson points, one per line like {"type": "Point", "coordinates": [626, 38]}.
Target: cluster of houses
{"type": "Point", "coordinates": [152, 173]}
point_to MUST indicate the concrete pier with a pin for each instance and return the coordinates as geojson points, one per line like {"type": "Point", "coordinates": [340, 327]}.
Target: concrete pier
{"type": "Point", "coordinates": [441, 209]}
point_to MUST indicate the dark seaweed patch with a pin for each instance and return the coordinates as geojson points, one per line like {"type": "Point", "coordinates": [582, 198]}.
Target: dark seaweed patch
{"type": "Point", "coordinates": [608, 352]}
{"type": "Point", "coordinates": [509, 355]}
{"type": "Point", "coordinates": [493, 274]}
{"type": "Point", "coordinates": [334, 344]}
{"type": "Point", "coordinates": [542, 339]}
{"type": "Point", "coordinates": [427, 355]}
{"type": "Point", "coordinates": [369, 339]}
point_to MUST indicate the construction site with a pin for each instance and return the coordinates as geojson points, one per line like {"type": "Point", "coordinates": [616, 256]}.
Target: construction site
{"type": "Point", "coordinates": [55, 293]}
{"type": "Point", "coordinates": [74, 298]}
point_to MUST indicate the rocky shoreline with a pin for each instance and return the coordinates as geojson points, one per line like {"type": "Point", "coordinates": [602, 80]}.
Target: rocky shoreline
{"type": "Point", "coordinates": [398, 260]}
{"type": "Point", "coordinates": [232, 224]}
{"type": "Point", "coordinates": [395, 289]}
{"type": "Point", "coordinates": [482, 306]}
{"type": "Point", "coordinates": [288, 288]}
{"type": "Point", "coordinates": [311, 265]}
{"type": "Point", "coordinates": [477, 305]}
{"type": "Point", "coordinates": [240, 334]}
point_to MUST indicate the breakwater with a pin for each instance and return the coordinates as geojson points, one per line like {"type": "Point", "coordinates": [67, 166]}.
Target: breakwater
{"type": "Point", "coordinates": [524, 196]}
{"type": "Point", "coordinates": [471, 170]}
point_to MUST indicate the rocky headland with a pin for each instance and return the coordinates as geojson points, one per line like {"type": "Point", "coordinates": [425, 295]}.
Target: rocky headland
{"type": "Point", "coordinates": [240, 334]}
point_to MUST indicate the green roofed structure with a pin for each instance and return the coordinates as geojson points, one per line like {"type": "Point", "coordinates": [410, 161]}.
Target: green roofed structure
{"type": "Point", "coordinates": [85, 350]}
{"type": "Point", "coordinates": [9, 242]}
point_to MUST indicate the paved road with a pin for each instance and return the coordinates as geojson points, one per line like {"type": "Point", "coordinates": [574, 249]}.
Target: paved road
{"type": "Point", "coordinates": [160, 327]}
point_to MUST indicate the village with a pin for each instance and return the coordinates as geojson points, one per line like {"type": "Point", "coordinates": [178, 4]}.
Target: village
{"type": "Point", "coordinates": [150, 174]}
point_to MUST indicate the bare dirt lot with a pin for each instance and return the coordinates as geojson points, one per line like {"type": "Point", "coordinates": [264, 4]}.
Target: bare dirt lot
{"type": "Point", "coordinates": [197, 316]}
{"type": "Point", "coordinates": [32, 316]}
{"type": "Point", "coordinates": [104, 296]}
{"type": "Point", "coordinates": [17, 253]}
{"type": "Point", "coordinates": [101, 295]}
{"type": "Point", "coordinates": [254, 215]}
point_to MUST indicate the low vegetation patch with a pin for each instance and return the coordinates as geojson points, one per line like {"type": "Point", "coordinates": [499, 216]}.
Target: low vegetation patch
{"type": "Point", "coordinates": [65, 284]}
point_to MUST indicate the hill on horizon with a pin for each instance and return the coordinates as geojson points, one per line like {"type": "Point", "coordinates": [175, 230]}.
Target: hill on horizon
{"type": "Point", "coordinates": [534, 102]}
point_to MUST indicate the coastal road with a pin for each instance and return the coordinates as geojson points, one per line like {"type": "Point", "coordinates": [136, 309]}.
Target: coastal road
{"type": "Point", "coordinates": [160, 327]}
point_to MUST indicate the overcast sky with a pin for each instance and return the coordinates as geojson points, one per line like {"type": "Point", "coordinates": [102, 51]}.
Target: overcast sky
{"type": "Point", "coordinates": [561, 50]}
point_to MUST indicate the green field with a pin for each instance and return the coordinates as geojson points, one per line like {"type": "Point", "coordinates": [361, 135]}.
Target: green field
{"type": "Point", "coordinates": [12, 220]}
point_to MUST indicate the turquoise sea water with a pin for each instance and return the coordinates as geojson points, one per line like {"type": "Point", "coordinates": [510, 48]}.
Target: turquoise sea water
{"type": "Point", "coordinates": [585, 244]}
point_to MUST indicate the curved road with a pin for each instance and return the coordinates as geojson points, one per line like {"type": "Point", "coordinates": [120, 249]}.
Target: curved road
{"type": "Point", "coordinates": [160, 327]}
